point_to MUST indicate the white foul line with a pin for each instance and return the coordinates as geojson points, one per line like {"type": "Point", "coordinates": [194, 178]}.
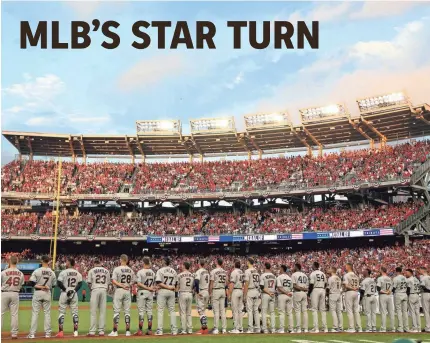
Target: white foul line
{"type": "Point", "coordinates": [367, 341]}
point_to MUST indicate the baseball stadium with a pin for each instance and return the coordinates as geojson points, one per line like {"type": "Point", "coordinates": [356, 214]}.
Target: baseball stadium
{"type": "Point", "coordinates": [281, 232]}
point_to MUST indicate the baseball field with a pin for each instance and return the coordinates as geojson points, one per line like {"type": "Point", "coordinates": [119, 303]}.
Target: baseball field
{"type": "Point", "coordinates": [84, 322]}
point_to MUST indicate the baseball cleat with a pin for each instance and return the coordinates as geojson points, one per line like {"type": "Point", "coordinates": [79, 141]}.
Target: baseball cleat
{"type": "Point", "coordinates": [149, 333]}
{"type": "Point", "coordinates": [75, 333]}
{"type": "Point", "coordinates": [350, 331]}
{"type": "Point", "coordinates": [91, 335]}
{"type": "Point", "coordinates": [31, 337]}
{"type": "Point", "coordinates": [249, 331]}
{"type": "Point", "coordinates": [127, 333]}
{"type": "Point", "coordinates": [202, 332]}
{"type": "Point", "coordinates": [138, 333]}
{"type": "Point", "coordinates": [113, 334]}
{"type": "Point", "coordinates": [314, 331]}
{"type": "Point", "coordinates": [101, 334]}
{"type": "Point", "coordinates": [159, 333]}
{"type": "Point", "coordinates": [190, 331]}
{"type": "Point", "coordinates": [60, 334]}
{"type": "Point", "coordinates": [215, 332]}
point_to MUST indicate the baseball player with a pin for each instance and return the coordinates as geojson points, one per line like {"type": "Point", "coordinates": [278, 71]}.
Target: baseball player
{"type": "Point", "coordinates": [334, 288]}
{"type": "Point", "coordinates": [98, 280]}
{"type": "Point", "coordinates": [268, 286]}
{"type": "Point", "coordinates": [300, 298]}
{"type": "Point", "coordinates": [201, 286]}
{"type": "Point", "coordinates": [43, 279]}
{"type": "Point", "coordinates": [284, 288]}
{"type": "Point", "coordinates": [413, 290]}
{"type": "Point", "coordinates": [317, 286]}
{"type": "Point", "coordinates": [251, 294]}
{"type": "Point", "coordinates": [12, 280]}
{"type": "Point", "coordinates": [384, 285]}
{"type": "Point", "coordinates": [235, 295]}
{"type": "Point", "coordinates": [167, 280]}
{"type": "Point", "coordinates": [367, 292]}
{"type": "Point", "coordinates": [145, 295]}
{"type": "Point", "coordinates": [401, 300]}
{"type": "Point", "coordinates": [351, 285]}
{"type": "Point", "coordinates": [425, 296]}
{"type": "Point", "coordinates": [123, 278]}
{"type": "Point", "coordinates": [69, 281]}
{"type": "Point", "coordinates": [185, 289]}
{"type": "Point", "coordinates": [218, 281]}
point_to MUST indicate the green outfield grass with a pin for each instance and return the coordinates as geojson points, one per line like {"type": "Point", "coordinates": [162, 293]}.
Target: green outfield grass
{"type": "Point", "coordinates": [84, 322]}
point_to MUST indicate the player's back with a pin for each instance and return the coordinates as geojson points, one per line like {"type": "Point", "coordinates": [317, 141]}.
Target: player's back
{"type": "Point", "coordinates": [124, 275]}
{"type": "Point", "coordinates": [237, 276]}
{"type": "Point", "coordinates": [146, 277]}
{"type": "Point", "coordinates": [334, 284]}
{"type": "Point", "coordinates": [284, 281]}
{"type": "Point", "coordinates": [186, 281]}
{"type": "Point", "coordinates": [400, 284]}
{"type": "Point", "coordinates": [425, 281]}
{"type": "Point", "coordinates": [351, 280]}
{"type": "Point", "coordinates": [253, 278]}
{"type": "Point", "coordinates": [168, 276]}
{"type": "Point", "coordinates": [12, 280]}
{"type": "Point", "coordinates": [219, 278]}
{"type": "Point", "coordinates": [70, 278]}
{"type": "Point", "coordinates": [99, 277]}
{"type": "Point", "coordinates": [318, 279]}
{"type": "Point", "coordinates": [44, 276]}
{"type": "Point", "coordinates": [203, 276]}
{"type": "Point", "coordinates": [385, 283]}
{"type": "Point", "coordinates": [368, 285]}
{"type": "Point", "coordinates": [268, 280]}
{"type": "Point", "coordinates": [300, 279]}
{"type": "Point", "coordinates": [413, 285]}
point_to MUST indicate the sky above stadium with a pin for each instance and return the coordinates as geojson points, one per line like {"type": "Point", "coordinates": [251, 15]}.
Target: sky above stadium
{"type": "Point", "coordinates": [366, 48]}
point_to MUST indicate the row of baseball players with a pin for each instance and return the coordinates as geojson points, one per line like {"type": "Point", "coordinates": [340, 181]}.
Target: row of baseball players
{"type": "Point", "coordinates": [247, 288]}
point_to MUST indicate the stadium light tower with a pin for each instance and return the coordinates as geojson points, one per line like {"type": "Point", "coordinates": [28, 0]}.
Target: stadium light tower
{"type": "Point", "coordinates": [383, 102]}
{"type": "Point", "coordinates": [212, 125]}
{"type": "Point", "coordinates": [266, 120]}
{"type": "Point", "coordinates": [158, 127]}
{"type": "Point", "coordinates": [313, 114]}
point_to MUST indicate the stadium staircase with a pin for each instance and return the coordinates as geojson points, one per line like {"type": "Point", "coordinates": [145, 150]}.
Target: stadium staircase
{"type": "Point", "coordinates": [419, 222]}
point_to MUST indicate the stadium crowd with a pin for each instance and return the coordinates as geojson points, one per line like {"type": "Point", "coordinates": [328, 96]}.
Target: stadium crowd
{"type": "Point", "coordinates": [344, 167]}
{"type": "Point", "coordinates": [209, 223]}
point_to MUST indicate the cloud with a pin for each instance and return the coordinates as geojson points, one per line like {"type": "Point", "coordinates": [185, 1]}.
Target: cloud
{"type": "Point", "coordinates": [376, 9]}
{"type": "Point", "coordinates": [83, 8]}
{"type": "Point", "coordinates": [34, 93]}
{"type": "Point", "coordinates": [379, 67]}
{"type": "Point", "coordinates": [152, 70]}
{"type": "Point", "coordinates": [236, 81]}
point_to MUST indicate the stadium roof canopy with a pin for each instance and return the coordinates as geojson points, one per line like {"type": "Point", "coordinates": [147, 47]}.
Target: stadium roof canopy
{"type": "Point", "coordinates": [382, 118]}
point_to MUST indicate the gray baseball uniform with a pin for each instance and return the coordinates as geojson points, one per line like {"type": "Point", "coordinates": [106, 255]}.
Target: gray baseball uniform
{"type": "Point", "coordinates": [352, 300]}
{"type": "Point", "coordinates": [401, 302]}
{"type": "Point", "coordinates": [186, 283]}
{"type": "Point", "coordinates": [268, 281]}
{"type": "Point", "coordinates": [70, 279]}
{"type": "Point", "coordinates": [12, 280]}
{"type": "Point", "coordinates": [285, 302]}
{"type": "Point", "coordinates": [252, 297]}
{"type": "Point", "coordinates": [334, 284]}
{"type": "Point", "coordinates": [368, 285]}
{"type": "Point", "coordinates": [219, 279]}
{"type": "Point", "coordinates": [202, 298]}
{"type": "Point", "coordinates": [122, 297]}
{"type": "Point", "coordinates": [165, 297]}
{"type": "Point", "coordinates": [386, 304]}
{"type": "Point", "coordinates": [300, 300]}
{"type": "Point", "coordinates": [414, 302]}
{"type": "Point", "coordinates": [318, 279]}
{"type": "Point", "coordinates": [145, 298]}
{"type": "Point", "coordinates": [425, 286]}
{"type": "Point", "coordinates": [42, 298]}
{"type": "Point", "coordinates": [237, 278]}
{"type": "Point", "coordinates": [98, 280]}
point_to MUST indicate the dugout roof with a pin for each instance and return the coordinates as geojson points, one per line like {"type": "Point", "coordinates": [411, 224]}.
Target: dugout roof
{"type": "Point", "coordinates": [389, 124]}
